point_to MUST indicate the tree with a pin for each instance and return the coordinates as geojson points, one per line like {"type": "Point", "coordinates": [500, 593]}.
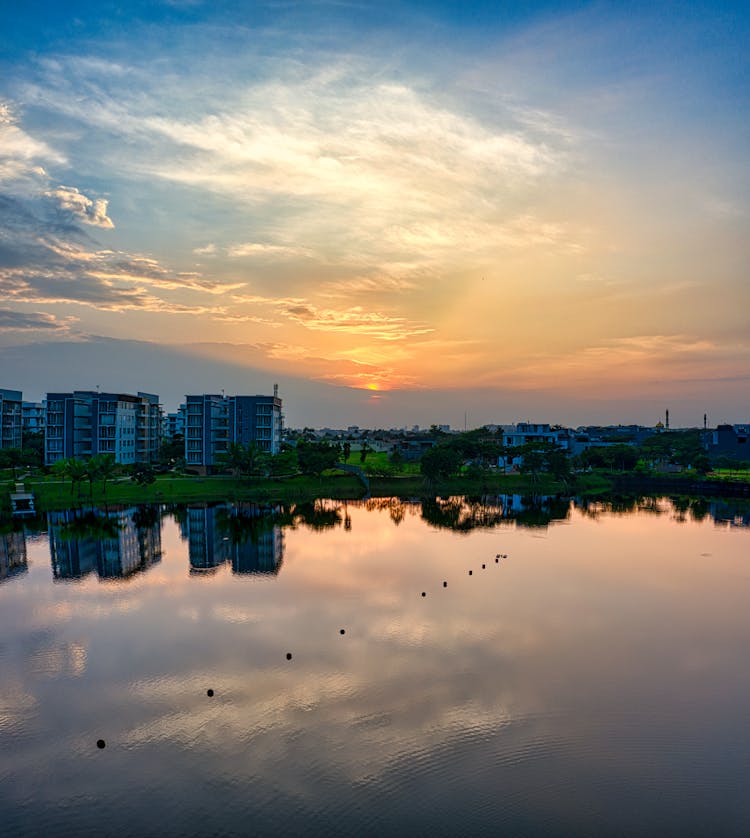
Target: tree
{"type": "Point", "coordinates": [247, 459]}
{"type": "Point", "coordinates": [256, 460]}
{"type": "Point", "coordinates": [143, 474]}
{"type": "Point", "coordinates": [33, 448]}
{"type": "Point", "coordinates": [440, 462]}
{"type": "Point", "coordinates": [364, 451]}
{"type": "Point", "coordinates": [285, 462]}
{"type": "Point", "coordinates": [172, 450]}
{"type": "Point", "coordinates": [532, 463]}
{"type": "Point", "coordinates": [77, 471]}
{"type": "Point", "coordinates": [347, 451]}
{"type": "Point", "coordinates": [11, 458]}
{"type": "Point", "coordinates": [315, 457]}
{"type": "Point", "coordinates": [234, 458]}
{"type": "Point", "coordinates": [104, 466]}
{"type": "Point", "coordinates": [60, 469]}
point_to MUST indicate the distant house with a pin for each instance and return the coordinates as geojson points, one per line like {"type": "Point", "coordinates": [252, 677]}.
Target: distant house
{"type": "Point", "coordinates": [728, 441]}
{"type": "Point", "coordinates": [84, 423]}
{"type": "Point", "coordinates": [11, 421]}
{"type": "Point", "coordinates": [412, 448]}
{"type": "Point", "coordinates": [525, 433]}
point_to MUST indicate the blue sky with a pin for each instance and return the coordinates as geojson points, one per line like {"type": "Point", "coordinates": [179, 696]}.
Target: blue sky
{"type": "Point", "coordinates": [545, 203]}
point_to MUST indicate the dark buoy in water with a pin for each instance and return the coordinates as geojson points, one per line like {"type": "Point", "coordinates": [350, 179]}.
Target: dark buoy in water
{"type": "Point", "coordinates": [100, 743]}
{"type": "Point", "coordinates": [445, 584]}
{"type": "Point", "coordinates": [342, 631]}
{"type": "Point", "coordinates": [424, 593]}
{"type": "Point", "coordinates": [210, 693]}
{"type": "Point", "coordinates": [497, 560]}
{"type": "Point", "coordinates": [497, 556]}
{"type": "Point", "coordinates": [470, 572]}
{"type": "Point", "coordinates": [288, 656]}
{"type": "Point", "coordinates": [484, 566]}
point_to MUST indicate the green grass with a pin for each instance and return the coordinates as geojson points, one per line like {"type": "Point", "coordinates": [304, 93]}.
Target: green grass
{"type": "Point", "coordinates": [742, 475]}
{"type": "Point", "coordinates": [377, 460]}
{"type": "Point", "coordinates": [52, 494]}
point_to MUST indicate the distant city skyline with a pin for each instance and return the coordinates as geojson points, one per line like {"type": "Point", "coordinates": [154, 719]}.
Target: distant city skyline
{"type": "Point", "coordinates": [402, 213]}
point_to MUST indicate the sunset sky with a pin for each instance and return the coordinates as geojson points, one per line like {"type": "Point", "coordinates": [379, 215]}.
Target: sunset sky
{"type": "Point", "coordinates": [404, 212]}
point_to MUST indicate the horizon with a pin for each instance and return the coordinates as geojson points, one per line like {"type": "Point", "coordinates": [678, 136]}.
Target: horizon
{"type": "Point", "coordinates": [407, 213]}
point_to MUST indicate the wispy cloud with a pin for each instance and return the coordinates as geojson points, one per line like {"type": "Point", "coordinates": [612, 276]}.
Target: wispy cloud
{"type": "Point", "coordinates": [372, 169]}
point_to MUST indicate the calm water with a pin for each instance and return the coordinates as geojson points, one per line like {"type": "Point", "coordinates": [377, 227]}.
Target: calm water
{"type": "Point", "coordinates": [594, 682]}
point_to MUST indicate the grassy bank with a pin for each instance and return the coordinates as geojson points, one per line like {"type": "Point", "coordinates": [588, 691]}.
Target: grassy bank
{"type": "Point", "coordinates": [52, 493]}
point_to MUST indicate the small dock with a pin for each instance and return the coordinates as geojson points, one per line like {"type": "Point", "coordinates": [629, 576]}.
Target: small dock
{"type": "Point", "coordinates": [22, 502]}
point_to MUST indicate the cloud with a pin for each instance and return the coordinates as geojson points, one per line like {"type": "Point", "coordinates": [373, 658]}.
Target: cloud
{"type": "Point", "coordinates": [61, 288]}
{"type": "Point", "coordinates": [47, 256]}
{"type": "Point", "coordinates": [12, 321]}
{"type": "Point", "coordinates": [355, 320]}
{"type": "Point", "coordinates": [86, 210]}
{"type": "Point", "coordinates": [20, 153]}
{"type": "Point", "coordinates": [333, 159]}
{"type": "Point", "coordinates": [269, 250]}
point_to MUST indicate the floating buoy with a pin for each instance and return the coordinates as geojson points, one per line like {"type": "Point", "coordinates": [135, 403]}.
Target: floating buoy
{"type": "Point", "coordinates": [288, 656]}
{"type": "Point", "coordinates": [342, 631]}
{"type": "Point", "coordinates": [497, 560]}
{"type": "Point", "coordinates": [470, 572]}
{"type": "Point", "coordinates": [100, 743]}
{"type": "Point", "coordinates": [484, 566]}
{"type": "Point", "coordinates": [445, 584]}
{"type": "Point", "coordinates": [210, 693]}
{"type": "Point", "coordinates": [497, 556]}
{"type": "Point", "coordinates": [424, 593]}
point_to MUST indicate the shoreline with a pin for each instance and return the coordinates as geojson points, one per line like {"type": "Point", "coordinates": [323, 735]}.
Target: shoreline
{"type": "Point", "coordinates": [53, 495]}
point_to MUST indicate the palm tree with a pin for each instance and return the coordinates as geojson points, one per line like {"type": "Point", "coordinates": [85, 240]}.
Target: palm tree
{"type": "Point", "coordinates": [104, 466]}
{"type": "Point", "coordinates": [77, 470]}
{"type": "Point", "coordinates": [60, 469]}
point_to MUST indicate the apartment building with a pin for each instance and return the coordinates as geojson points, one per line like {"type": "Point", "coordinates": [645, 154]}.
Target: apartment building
{"type": "Point", "coordinates": [34, 415]}
{"type": "Point", "coordinates": [85, 423]}
{"type": "Point", "coordinates": [213, 422]}
{"type": "Point", "coordinates": [10, 418]}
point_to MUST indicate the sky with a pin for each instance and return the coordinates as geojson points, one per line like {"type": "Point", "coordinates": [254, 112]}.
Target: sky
{"type": "Point", "coordinates": [403, 212]}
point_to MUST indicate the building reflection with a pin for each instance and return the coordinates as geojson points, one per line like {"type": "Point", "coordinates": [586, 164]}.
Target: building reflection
{"type": "Point", "coordinates": [249, 538]}
{"type": "Point", "coordinates": [208, 548]}
{"type": "Point", "coordinates": [114, 544]}
{"type": "Point", "coordinates": [13, 560]}
{"type": "Point", "coordinates": [728, 514]}
{"type": "Point", "coordinates": [263, 556]}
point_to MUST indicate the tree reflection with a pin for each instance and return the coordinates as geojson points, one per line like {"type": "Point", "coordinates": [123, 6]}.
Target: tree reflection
{"type": "Point", "coordinates": [316, 516]}
{"type": "Point", "coordinates": [463, 514]}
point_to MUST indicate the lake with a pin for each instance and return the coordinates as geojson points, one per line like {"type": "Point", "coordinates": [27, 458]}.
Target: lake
{"type": "Point", "coordinates": [458, 667]}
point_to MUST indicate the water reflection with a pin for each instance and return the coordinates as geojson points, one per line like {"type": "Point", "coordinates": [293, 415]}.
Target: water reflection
{"type": "Point", "coordinates": [12, 554]}
{"type": "Point", "coordinates": [592, 684]}
{"type": "Point", "coordinates": [723, 512]}
{"type": "Point", "coordinates": [249, 538]}
{"type": "Point", "coordinates": [114, 543]}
